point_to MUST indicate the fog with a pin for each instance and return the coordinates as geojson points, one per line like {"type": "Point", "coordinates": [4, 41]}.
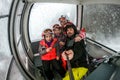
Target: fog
{"type": "Point", "coordinates": [44, 15]}
{"type": "Point", "coordinates": [102, 23]}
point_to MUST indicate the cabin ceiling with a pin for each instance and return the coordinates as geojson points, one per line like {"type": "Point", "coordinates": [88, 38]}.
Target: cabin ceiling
{"type": "Point", "coordinates": [78, 1]}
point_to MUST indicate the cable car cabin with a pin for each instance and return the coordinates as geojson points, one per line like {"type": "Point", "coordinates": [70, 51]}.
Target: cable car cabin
{"type": "Point", "coordinates": [99, 21]}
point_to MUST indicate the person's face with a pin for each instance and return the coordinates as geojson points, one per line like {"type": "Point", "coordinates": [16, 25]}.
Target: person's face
{"type": "Point", "coordinates": [63, 22]}
{"type": "Point", "coordinates": [48, 37]}
{"type": "Point", "coordinates": [70, 32]}
{"type": "Point", "coordinates": [57, 31]}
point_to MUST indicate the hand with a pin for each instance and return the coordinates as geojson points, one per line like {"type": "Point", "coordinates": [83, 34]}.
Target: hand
{"type": "Point", "coordinates": [77, 38]}
{"type": "Point", "coordinates": [61, 43]}
{"type": "Point", "coordinates": [57, 58]}
{"type": "Point", "coordinates": [48, 49]}
{"type": "Point", "coordinates": [69, 53]}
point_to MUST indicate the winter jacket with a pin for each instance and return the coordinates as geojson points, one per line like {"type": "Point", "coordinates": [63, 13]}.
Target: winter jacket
{"type": "Point", "coordinates": [79, 59]}
{"type": "Point", "coordinates": [62, 38]}
{"type": "Point", "coordinates": [47, 55]}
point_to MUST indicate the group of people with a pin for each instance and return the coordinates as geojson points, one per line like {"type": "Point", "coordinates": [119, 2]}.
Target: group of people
{"type": "Point", "coordinates": [62, 40]}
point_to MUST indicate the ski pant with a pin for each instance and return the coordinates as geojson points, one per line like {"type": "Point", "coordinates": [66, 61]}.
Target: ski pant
{"type": "Point", "coordinates": [51, 65]}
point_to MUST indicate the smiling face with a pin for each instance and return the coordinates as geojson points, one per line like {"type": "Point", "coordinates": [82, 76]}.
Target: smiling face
{"type": "Point", "coordinates": [48, 37]}
{"type": "Point", "coordinates": [57, 31]}
{"type": "Point", "coordinates": [63, 21]}
{"type": "Point", "coordinates": [70, 32]}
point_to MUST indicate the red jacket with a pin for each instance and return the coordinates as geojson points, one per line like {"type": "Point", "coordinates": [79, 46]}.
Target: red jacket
{"type": "Point", "coordinates": [49, 55]}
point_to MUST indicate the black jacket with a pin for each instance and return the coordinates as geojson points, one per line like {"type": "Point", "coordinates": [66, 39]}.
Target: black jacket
{"type": "Point", "coordinates": [79, 59]}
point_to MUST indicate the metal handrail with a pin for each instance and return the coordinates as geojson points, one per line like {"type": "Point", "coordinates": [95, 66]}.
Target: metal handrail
{"type": "Point", "coordinates": [9, 69]}
{"type": "Point", "coordinates": [100, 45]}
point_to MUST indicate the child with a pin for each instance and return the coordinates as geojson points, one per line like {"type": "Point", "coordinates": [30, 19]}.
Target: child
{"type": "Point", "coordinates": [48, 54]}
{"type": "Point", "coordinates": [60, 36]}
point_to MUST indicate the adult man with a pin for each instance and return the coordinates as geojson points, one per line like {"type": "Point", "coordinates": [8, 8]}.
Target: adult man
{"type": "Point", "coordinates": [76, 54]}
{"type": "Point", "coordinates": [75, 50]}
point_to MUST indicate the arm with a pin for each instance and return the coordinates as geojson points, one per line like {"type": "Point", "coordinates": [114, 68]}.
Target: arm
{"type": "Point", "coordinates": [42, 49]}
{"type": "Point", "coordinates": [81, 35]}
{"type": "Point", "coordinates": [79, 50]}
{"type": "Point", "coordinates": [62, 40]}
{"type": "Point", "coordinates": [57, 48]}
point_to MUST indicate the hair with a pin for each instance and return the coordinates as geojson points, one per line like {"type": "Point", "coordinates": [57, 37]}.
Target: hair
{"type": "Point", "coordinates": [56, 26]}
{"type": "Point", "coordinates": [47, 31]}
{"type": "Point", "coordinates": [71, 26]}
